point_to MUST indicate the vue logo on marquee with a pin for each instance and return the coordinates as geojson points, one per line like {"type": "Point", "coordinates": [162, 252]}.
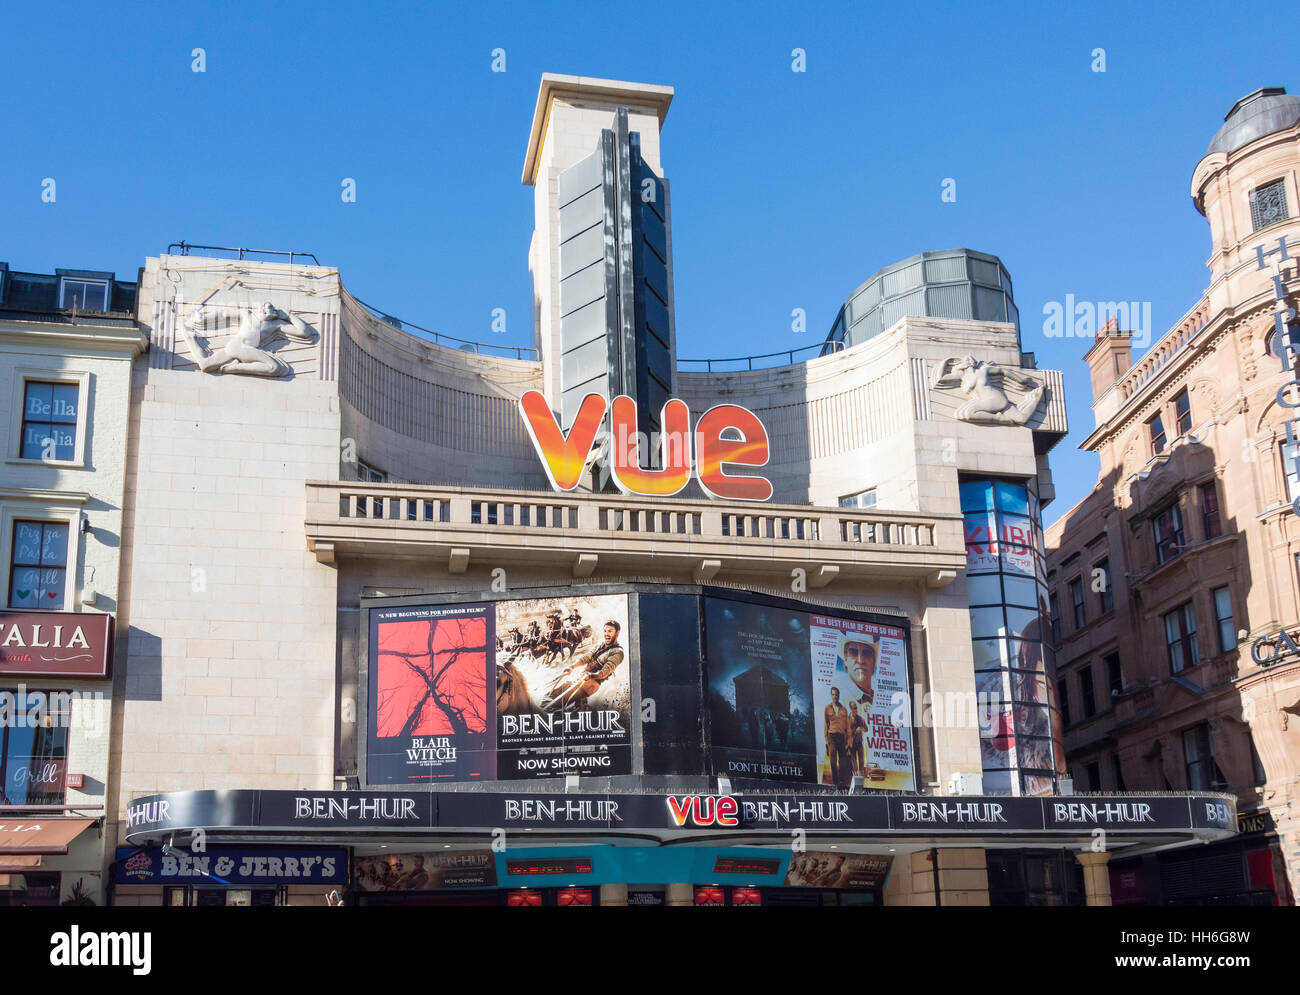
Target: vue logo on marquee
{"type": "Point", "coordinates": [704, 810]}
{"type": "Point", "coordinates": [565, 457]}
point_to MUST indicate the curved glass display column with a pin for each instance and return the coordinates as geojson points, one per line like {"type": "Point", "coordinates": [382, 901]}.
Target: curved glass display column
{"type": "Point", "coordinates": [1020, 725]}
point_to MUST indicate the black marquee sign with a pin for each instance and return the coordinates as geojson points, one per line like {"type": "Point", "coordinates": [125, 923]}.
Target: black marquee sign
{"type": "Point", "coordinates": [331, 814]}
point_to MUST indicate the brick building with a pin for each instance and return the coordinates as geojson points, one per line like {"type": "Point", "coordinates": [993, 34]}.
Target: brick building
{"type": "Point", "coordinates": [1172, 580]}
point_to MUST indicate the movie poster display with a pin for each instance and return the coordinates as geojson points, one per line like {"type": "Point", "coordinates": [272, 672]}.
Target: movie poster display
{"type": "Point", "coordinates": [430, 714]}
{"type": "Point", "coordinates": [859, 676]}
{"type": "Point", "coordinates": [426, 871]}
{"type": "Point", "coordinates": [759, 691]}
{"type": "Point", "coordinates": [828, 869]}
{"type": "Point", "coordinates": [563, 692]}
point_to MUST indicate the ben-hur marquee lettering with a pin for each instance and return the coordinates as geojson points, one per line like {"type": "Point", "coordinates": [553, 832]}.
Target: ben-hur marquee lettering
{"type": "Point", "coordinates": [726, 435]}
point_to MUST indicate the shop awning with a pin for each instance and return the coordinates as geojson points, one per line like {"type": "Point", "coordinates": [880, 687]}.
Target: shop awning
{"type": "Point", "coordinates": [14, 864]}
{"type": "Point", "coordinates": [37, 836]}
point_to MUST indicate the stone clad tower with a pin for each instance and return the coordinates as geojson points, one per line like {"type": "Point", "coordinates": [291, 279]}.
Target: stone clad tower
{"type": "Point", "coordinates": [601, 256]}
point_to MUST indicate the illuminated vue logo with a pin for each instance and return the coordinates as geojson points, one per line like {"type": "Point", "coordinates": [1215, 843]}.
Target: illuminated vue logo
{"type": "Point", "coordinates": [704, 810]}
{"type": "Point", "coordinates": [566, 457]}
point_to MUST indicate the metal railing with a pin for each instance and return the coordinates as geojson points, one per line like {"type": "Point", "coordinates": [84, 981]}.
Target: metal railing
{"type": "Point", "coordinates": [789, 355]}
{"type": "Point", "coordinates": [466, 345]}
{"type": "Point", "coordinates": [241, 253]}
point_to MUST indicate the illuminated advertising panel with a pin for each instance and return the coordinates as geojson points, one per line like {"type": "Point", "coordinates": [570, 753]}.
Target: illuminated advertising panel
{"type": "Point", "coordinates": [805, 696]}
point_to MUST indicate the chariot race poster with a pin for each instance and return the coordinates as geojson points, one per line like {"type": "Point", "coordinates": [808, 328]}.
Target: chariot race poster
{"type": "Point", "coordinates": [563, 692]}
{"type": "Point", "coordinates": [431, 712]}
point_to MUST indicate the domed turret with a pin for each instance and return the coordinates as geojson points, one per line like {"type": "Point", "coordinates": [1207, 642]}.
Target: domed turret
{"type": "Point", "coordinates": [1268, 110]}
{"type": "Point", "coordinates": [1245, 185]}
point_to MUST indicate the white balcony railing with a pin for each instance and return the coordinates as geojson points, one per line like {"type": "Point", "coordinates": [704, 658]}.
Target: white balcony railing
{"type": "Point", "coordinates": [346, 518]}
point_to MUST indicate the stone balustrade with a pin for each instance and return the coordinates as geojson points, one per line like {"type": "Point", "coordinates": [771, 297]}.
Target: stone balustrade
{"type": "Point", "coordinates": [670, 536]}
{"type": "Point", "coordinates": [1163, 352]}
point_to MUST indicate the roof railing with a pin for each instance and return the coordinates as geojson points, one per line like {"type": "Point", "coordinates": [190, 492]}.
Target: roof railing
{"type": "Point", "coordinates": [789, 355]}
{"type": "Point", "coordinates": [441, 338]}
{"type": "Point", "coordinates": [241, 253]}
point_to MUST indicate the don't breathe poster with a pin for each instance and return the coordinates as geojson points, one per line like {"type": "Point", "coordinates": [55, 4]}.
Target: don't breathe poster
{"type": "Point", "coordinates": [760, 691]}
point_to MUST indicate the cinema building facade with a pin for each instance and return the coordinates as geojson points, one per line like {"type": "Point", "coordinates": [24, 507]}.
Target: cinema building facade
{"type": "Point", "coordinates": [426, 625]}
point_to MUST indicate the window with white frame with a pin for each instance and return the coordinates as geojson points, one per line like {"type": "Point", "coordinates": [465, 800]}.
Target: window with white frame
{"type": "Point", "coordinates": [38, 565]}
{"type": "Point", "coordinates": [48, 418]}
{"type": "Point", "coordinates": [863, 499]}
{"type": "Point", "coordinates": [84, 294]}
{"type": "Point", "coordinates": [49, 425]}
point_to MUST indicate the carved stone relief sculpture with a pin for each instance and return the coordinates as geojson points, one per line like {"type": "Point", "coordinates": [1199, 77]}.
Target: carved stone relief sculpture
{"type": "Point", "coordinates": [244, 351]}
{"type": "Point", "coordinates": [986, 402]}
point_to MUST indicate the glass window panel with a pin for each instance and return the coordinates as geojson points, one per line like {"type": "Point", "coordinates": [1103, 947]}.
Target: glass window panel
{"type": "Point", "coordinates": [27, 542]}
{"type": "Point", "coordinates": [981, 542]}
{"type": "Point", "coordinates": [990, 654]}
{"type": "Point", "coordinates": [65, 447]}
{"type": "Point", "coordinates": [1034, 753]}
{"type": "Point", "coordinates": [1026, 654]}
{"type": "Point", "coordinates": [976, 495]}
{"type": "Point", "coordinates": [1024, 623]}
{"type": "Point", "coordinates": [998, 782]}
{"type": "Point", "coordinates": [992, 685]}
{"type": "Point", "coordinates": [24, 589]}
{"type": "Point", "coordinates": [33, 760]}
{"type": "Point", "coordinates": [1011, 497]}
{"type": "Point", "coordinates": [1030, 686]}
{"type": "Point", "coordinates": [34, 436]}
{"type": "Point", "coordinates": [985, 589]}
{"type": "Point", "coordinates": [986, 622]}
{"type": "Point", "coordinates": [1021, 591]}
{"type": "Point", "coordinates": [64, 403]}
{"type": "Point", "coordinates": [39, 406]}
{"type": "Point", "coordinates": [1034, 720]}
{"type": "Point", "coordinates": [54, 545]}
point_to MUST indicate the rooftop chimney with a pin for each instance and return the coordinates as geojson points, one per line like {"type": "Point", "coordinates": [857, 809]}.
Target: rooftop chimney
{"type": "Point", "coordinates": [1110, 357]}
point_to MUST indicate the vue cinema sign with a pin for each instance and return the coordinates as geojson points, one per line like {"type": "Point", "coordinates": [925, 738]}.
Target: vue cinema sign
{"type": "Point", "coordinates": [565, 457]}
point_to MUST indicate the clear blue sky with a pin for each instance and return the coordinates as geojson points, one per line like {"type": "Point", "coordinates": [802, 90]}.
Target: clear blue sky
{"type": "Point", "coordinates": [789, 189]}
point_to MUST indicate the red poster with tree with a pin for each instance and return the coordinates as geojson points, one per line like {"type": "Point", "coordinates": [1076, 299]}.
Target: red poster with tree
{"type": "Point", "coordinates": [429, 681]}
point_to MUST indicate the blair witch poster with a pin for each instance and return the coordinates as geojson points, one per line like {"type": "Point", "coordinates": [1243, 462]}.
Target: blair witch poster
{"type": "Point", "coordinates": [759, 691]}
{"type": "Point", "coordinates": [563, 694]}
{"type": "Point", "coordinates": [430, 714]}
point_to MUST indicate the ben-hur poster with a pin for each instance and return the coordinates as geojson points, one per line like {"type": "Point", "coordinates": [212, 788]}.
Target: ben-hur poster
{"type": "Point", "coordinates": [430, 713]}
{"type": "Point", "coordinates": [426, 871]}
{"type": "Point", "coordinates": [563, 694]}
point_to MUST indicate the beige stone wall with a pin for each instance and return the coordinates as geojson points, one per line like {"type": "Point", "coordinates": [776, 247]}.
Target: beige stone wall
{"type": "Point", "coordinates": [229, 677]}
{"type": "Point", "coordinates": [426, 413]}
{"type": "Point", "coordinates": [961, 877]}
